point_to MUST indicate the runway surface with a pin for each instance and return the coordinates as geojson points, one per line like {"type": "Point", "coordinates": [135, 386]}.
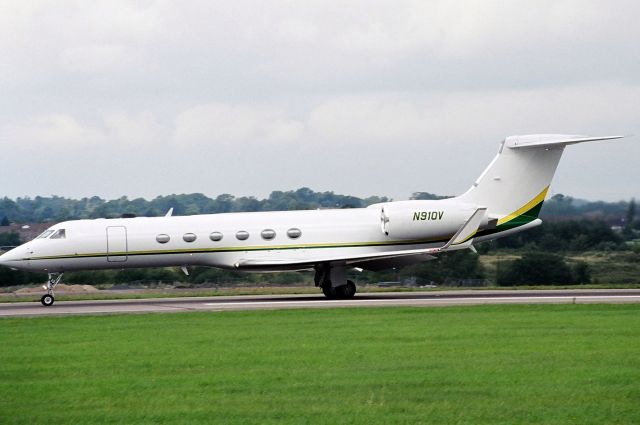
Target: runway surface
{"type": "Point", "coordinates": [272, 302]}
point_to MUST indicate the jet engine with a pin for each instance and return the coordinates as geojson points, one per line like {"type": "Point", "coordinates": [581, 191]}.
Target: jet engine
{"type": "Point", "coordinates": [424, 220]}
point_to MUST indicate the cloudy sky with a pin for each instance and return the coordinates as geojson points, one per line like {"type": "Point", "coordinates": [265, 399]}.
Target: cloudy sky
{"type": "Point", "coordinates": [147, 98]}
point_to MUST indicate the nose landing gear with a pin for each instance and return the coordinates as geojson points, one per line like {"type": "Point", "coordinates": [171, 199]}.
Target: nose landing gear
{"type": "Point", "coordinates": [48, 299]}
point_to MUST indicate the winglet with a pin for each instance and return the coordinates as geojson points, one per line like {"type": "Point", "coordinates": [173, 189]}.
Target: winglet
{"type": "Point", "coordinates": [169, 213]}
{"type": "Point", "coordinates": [467, 230]}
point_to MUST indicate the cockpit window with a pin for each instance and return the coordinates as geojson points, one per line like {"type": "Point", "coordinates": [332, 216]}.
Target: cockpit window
{"type": "Point", "coordinates": [45, 234]}
{"type": "Point", "coordinates": [59, 234]}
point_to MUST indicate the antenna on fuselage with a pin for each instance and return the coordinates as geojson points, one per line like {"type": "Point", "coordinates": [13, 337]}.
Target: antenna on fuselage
{"type": "Point", "coordinates": [169, 213]}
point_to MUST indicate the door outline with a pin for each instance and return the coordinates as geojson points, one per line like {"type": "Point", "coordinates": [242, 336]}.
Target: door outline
{"type": "Point", "coordinates": [115, 236]}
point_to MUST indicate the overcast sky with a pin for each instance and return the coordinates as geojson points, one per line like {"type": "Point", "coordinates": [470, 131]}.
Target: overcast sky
{"type": "Point", "coordinates": [148, 98]}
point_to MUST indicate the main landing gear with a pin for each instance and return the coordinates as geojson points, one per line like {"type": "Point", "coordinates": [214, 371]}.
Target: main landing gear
{"type": "Point", "coordinates": [332, 280]}
{"type": "Point", "coordinates": [339, 292]}
{"type": "Point", "coordinates": [48, 299]}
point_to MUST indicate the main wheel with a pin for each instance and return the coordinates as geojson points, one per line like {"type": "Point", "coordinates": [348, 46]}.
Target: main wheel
{"type": "Point", "coordinates": [346, 291]}
{"type": "Point", "coordinates": [47, 300]}
{"type": "Point", "coordinates": [329, 291]}
{"type": "Point", "coordinates": [349, 290]}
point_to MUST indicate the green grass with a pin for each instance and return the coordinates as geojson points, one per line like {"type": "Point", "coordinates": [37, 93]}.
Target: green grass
{"type": "Point", "coordinates": [476, 365]}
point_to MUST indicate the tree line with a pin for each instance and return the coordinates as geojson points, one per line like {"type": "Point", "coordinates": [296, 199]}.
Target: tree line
{"type": "Point", "coordinates": [56, 208]}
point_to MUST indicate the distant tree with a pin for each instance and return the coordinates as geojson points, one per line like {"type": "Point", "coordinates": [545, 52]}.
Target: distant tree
{"type": "Point", "coordinates": [374, 200]}
{"type": "Point", "coordinates": [581, 273]}
{"type": "Point", "coordinates": [551, 243]}
{"type": "Point", "coordinates": [561, 236]}
{"type": "Point", "coordinates": [631, 211]}
{"type": "Point", "coordinates": [10, 277]}
{"type": "Point", "coordinates": [536, 269]}
{"type": "Point", "coordinates": [427, 196]}
{"type": "Point", "coordinates": [224, 203]}
{"type": "Point", "coordinates": [452, 265]}
{"type": "Point", "coordinates": [5, 221]}
{"type": "Point", "coordinates": [10, 208]}
{"type": "Point", "coordinates": [9, 239]}
{"type": "Point", "coordinates": [41, 209]}
{"type": "Point", "coordinates": [630, 218]}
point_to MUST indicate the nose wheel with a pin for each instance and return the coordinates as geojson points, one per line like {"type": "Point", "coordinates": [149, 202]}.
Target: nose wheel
{"type": "Point", "coordinates": [48, 299]}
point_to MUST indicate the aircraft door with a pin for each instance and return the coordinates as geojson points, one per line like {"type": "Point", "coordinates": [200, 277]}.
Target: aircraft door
{"type": "Point", "coordinates": [117, 244]}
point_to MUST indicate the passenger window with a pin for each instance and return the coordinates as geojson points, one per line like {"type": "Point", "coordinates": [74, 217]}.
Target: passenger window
{"type": "Point", "coordinates": [242, 235]}
{"type": "Point", "coordinates": [189, 237]}
{"type": "Point", "coordinates": [215, 236]}
{"type": "Point", "coordinates": [294, 233]}
{"type": "Point", "coordinates": [162, 238]}
{"type": "Point", "coordinates": [59, 234]}
{"type": "Point", "coordinates": [268, 234]}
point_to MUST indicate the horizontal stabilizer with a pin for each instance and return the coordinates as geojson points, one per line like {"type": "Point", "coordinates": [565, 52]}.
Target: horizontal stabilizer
{"type": "Point", "coordinates": [547, 140]}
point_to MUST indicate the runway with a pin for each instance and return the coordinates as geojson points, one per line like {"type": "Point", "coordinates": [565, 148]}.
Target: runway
{"type": "Point", "coordinates": [273, 302]}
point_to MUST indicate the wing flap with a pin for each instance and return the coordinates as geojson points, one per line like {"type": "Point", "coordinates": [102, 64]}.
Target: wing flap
{"type": "Point", "coordinates": [301, 263]}
{"type": "Point", "coordinates": [389, 263]}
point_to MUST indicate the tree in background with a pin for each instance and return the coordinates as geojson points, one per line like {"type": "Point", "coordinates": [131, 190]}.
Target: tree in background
{"type": "Point", "coordinates": [581, 273]}
{"type": "Point", "coordinates": [455, 265]}
{"type": "Point", "coordinates": [426, 196]}
{"type": "Point", "coordinates": [542, 268]}
{"type": "Point", "coordinates": [5, 221]}
{"type": "Point", "coordinates": [10, 239]}
{"type": "Point", "coordinates": [565, 236]}
{"type": "Point", "coordinates": [10, 277]}
{"type": "Point", "coordinates": [627, 230]}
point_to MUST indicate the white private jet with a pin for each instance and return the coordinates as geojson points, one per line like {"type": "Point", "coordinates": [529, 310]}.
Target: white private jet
{"type": "Point", "coordinates": [505, 199]}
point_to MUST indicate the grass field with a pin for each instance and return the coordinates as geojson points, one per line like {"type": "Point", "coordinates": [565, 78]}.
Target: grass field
{"type": "Point", "coordinates": [544, 364]}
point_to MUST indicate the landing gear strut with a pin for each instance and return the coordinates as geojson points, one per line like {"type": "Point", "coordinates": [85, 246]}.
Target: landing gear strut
{"type": "Point", "coordinates": [48, 299]}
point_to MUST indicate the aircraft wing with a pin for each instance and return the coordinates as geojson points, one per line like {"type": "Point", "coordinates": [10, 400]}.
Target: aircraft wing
{"type": "Point", "coordinates": [373, 260]}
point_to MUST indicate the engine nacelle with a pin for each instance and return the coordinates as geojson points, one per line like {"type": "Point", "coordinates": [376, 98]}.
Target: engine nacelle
{"type": "Point", "coordinates": [424, 220]}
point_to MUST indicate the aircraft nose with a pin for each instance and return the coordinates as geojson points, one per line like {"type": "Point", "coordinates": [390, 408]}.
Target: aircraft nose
{"type": "Point", "coordinates": [6, 257]}
{"type": "Point", "coordinates": [14, 259]}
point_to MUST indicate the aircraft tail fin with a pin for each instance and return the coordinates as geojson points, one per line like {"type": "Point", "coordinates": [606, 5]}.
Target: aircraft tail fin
{"type": "Point", "coordinates": [515, 184]}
